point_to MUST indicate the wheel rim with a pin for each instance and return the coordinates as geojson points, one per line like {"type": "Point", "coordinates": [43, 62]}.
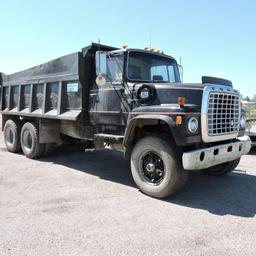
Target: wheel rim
{"type": "Point", "coordinates": [152, 168]}
{"type": "Point", "coordinates": [9, 136]}
{"type": "Point", "coordinates": [27, 141]}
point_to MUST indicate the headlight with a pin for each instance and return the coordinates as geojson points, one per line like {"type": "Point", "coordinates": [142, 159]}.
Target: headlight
{"type": "Point", "coordinates": [242, 122]}
{"type": "Point", "coordinates": [192, 124]}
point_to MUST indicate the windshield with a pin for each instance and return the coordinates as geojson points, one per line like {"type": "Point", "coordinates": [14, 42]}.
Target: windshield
{"type": "Point", "coordinates": [148, 67]}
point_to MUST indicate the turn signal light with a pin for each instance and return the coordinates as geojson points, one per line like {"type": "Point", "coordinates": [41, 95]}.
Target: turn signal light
{"type": "Point", "coordinates": [178, 120]}
{"type": "Point", "coordinates": [181, 101]}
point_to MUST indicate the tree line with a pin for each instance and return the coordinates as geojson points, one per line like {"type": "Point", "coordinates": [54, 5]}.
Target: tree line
{"type": "Point", "coordinates": [252, 99]}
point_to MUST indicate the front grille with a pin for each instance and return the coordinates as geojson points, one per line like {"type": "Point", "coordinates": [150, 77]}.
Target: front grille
{"type": "Point", "coordinates": [223, 113]}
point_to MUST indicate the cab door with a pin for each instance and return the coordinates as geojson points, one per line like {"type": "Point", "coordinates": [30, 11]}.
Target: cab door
{"type": "Point", "coordinates": [108, 108]}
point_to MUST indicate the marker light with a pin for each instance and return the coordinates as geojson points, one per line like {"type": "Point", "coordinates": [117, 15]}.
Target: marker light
{"type": "Point", "coordinates": [179, 120]}
{"type": "Point", "coordinates": [181, 101]}
{"type": "Point", "coordinates": [125, 46]}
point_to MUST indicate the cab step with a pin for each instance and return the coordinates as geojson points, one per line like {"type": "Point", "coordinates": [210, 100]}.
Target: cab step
{"type": "Point", "coordinates": [101, 138]}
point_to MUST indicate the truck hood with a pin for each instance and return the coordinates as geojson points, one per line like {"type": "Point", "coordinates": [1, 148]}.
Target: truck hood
{"type": "Point", "coordinates": [168, 94]}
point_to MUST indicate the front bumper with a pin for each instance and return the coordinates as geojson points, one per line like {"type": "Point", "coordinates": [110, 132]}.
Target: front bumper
{"type": "Point", "coordinates": [252, 136]}
{"type": "Point", "coordinates": [207, 157]}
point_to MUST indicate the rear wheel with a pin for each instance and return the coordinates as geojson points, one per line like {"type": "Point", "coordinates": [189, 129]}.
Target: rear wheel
{"type": "Point", "coordinates": [12, 136]}
{"type": "Point", "coordinates": [156, 168]}
{"type": "Point", "coordinates": [30, 141]}
{"type": "Point", "coordinates": [222, 169]}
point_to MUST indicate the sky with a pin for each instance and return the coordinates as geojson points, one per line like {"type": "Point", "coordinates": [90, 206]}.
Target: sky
{"type": "Point", "coordinates": [215, 38]}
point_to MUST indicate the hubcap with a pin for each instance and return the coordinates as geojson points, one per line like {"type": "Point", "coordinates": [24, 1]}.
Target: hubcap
{"type": "Point", "coordinates": [152, 168]}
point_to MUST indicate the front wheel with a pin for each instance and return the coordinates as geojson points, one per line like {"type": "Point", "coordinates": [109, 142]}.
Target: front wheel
{"type": "Point", "coordinates": [156, 168]}
{"type": "Point", "coordinates": [222, 169]}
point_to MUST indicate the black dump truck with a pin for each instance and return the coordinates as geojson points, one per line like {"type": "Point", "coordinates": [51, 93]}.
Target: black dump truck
{"type": "Point", "coordinates": [130, 100]}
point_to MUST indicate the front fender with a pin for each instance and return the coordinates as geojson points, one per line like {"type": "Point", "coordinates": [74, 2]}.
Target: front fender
{"type": "Point", "coordinates": [142, 120]}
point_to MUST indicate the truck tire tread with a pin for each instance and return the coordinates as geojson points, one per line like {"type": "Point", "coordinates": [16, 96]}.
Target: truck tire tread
{"type": "Point", "coordinates": [37, 148]}
{"type": "Point", "coordinates": [175, 176]}
{"type": "Point", "coordinates": [222, 169]}
{"type": "Point", "coordinates": [15, 127]}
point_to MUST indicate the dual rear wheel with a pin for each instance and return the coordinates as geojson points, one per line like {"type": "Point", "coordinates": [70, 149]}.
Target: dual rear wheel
{"type": "Point", "coordinates": [25, 138]}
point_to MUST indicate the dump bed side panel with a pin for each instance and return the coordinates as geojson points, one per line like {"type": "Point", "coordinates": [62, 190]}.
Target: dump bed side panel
{"type": "Point", "coordinates": [50, 90]}
{"type": "Point", "coordinates": [2, 77]}
{"type": "Point", "coordinates": [1, 82]}
{"type": "Point", "coordinates": [63, 66]}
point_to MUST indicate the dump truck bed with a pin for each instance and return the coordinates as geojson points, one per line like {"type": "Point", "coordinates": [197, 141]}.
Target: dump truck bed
{"type": "Point", "coordinates": [50, 90]}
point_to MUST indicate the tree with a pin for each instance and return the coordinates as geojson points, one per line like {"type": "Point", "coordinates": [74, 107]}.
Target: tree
{"type": "Point", "coordinates": [247, 98]}
{"type": "Point", "coordinates": [254, 98]}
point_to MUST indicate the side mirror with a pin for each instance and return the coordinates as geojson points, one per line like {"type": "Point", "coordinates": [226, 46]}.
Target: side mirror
{"type": "Point", "coordinates": [101, 63]}
{"type": "Point", "coordinates": [181, 72]}
{"type": "Point", "coordinates": [101, 67]}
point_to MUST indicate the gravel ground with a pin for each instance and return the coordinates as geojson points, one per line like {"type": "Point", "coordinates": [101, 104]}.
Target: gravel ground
{"type": "Point", "coordinates": [85, 203]}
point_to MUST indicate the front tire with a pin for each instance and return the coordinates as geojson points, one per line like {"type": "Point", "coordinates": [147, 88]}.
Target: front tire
{"type": "Point", "coordinates": [222, 169]}
{"type": "Point", "coordinates": [29, 139]}
{"type": "Point", "coordinates": [12, 136]}
{"type": "Point", "coordinates": [156, 168]}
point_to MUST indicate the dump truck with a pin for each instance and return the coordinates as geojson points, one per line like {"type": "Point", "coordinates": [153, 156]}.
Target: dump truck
{"type": "Point", "coordinates": [131, 100]}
